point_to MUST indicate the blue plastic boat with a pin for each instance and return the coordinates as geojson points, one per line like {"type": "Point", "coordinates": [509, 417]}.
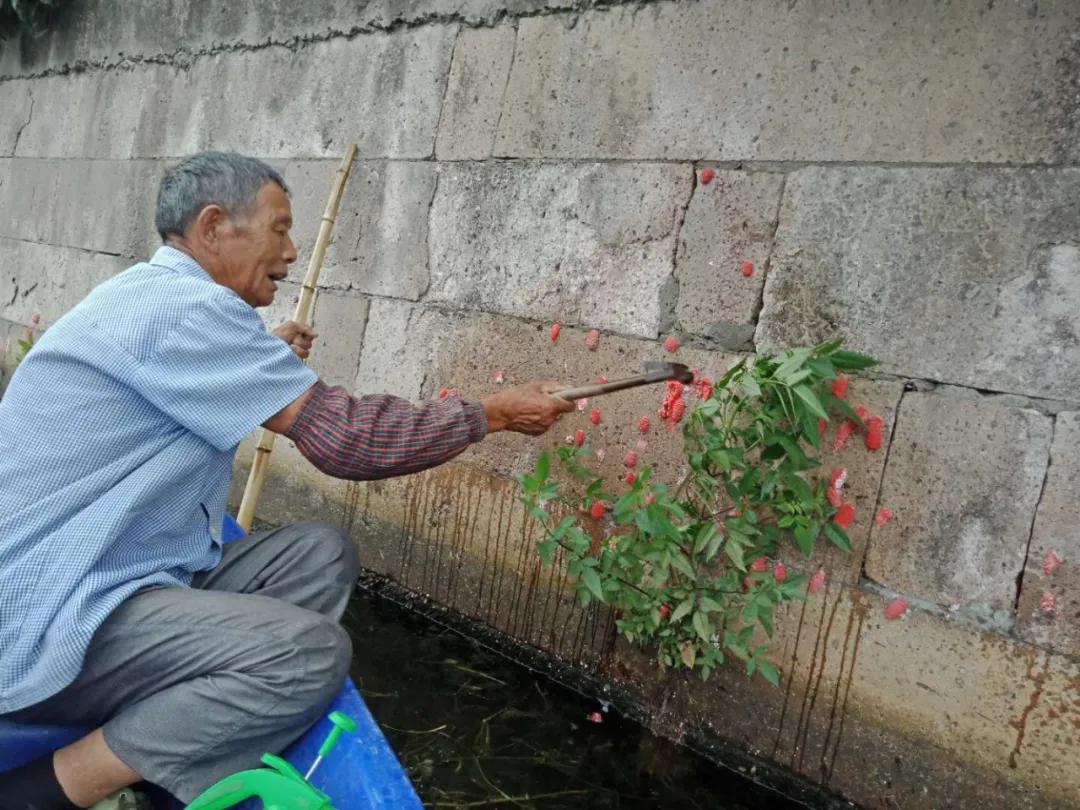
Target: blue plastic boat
{"type": "Point", "coordinates": [361, 773]}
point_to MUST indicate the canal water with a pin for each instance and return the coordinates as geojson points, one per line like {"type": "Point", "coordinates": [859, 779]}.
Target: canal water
{"type": "Point", "coordinates": [474, 729]}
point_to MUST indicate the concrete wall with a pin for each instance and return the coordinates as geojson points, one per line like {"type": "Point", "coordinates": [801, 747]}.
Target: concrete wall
{"type": "Point", "coordinates": [903, 175]}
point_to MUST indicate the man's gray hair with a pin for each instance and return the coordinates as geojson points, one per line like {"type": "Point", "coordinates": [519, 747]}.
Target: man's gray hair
{"type": "Point", "coordinates": [209, 178]}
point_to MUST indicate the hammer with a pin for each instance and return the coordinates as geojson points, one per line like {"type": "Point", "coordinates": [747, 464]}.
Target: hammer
{"type": "Point", "coordinates": [651, 372]}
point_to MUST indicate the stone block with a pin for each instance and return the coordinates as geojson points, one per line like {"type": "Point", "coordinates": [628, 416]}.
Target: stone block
{"type": "Point", "coordinates": [807, 82]}
{"type": "Point", "coordinates": [1056, 522]}
{"type": "Point", "coordinates": [271, 102]}
{"type": "Point", "coordinates": [474, 93]}
{"type": "Point", "coordinates": [100, 206]}
{"type": "Point", "coordinates": [379, 244]}
{"type": "Point", "coordinates": [283, 307]}
{"type": "Point", "coordinates": [968, 276]}
{"type": "Point", "coordinates": [400, 346]}
{"type": "Point", "coordinates": [340, 320]}
{"type": "Point", "coordinates": [588, 245]}
{"type": "Point", "coordinates": [729, 221]}
{"type": "Point", "coordinates": [963, 479]}
{"type": "Point", "coordinates": [47, 280]}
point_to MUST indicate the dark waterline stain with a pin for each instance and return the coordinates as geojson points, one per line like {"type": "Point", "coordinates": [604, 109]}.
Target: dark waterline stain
{"type": "Point", "coordinates": [474, 729]}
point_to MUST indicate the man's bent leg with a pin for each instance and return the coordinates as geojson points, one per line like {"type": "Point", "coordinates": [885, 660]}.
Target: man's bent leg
{"type": "Point", "coordinates": [312, 565]}
{"type": "Point", "coordinates": [191, 686]}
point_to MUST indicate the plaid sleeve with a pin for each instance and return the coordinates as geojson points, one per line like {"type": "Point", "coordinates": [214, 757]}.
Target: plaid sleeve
{"type": "Point", "coordinates": [380, 436]}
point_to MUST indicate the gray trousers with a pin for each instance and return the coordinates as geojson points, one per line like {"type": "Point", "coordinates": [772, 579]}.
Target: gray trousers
{"type": "Point", "coordinates": [192, 685]}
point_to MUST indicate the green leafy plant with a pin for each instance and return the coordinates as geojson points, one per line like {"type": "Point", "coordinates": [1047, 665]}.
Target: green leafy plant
{"type": "Point", "coordinates": [684, 567]}
{"type": "Point", "coordinates": [29, 16]}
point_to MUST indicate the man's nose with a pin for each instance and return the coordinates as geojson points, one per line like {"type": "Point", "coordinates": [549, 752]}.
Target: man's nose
{"type": "Point", "coordinates": [290, 251]}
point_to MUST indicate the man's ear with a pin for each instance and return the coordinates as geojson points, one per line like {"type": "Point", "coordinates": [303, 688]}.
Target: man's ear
{"type": "Point", "coordinates": [209, 225]}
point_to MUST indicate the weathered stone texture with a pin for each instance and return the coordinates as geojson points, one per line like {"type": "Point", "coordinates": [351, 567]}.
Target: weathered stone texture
{"type": "Point", "coordinates": [820, 81]}
{"type": "Point", "coordinates": [379, 242]}
{"type": "Point", "coordinates": [15, 102]}
{"type": "Point", "coordinates": [474, 93]}
{"type": "Point", "coordinates": [382, 91]}
{"type": "Point", "coordinates": [103, 32]}
{"type": "Point", "coordinates": [401, 342]}
{"type": "Point", "coordinates": [729, 221]}
{"type": "Point", "coordinates": [963, 478]}
{"type": "Point", "coordinates": [340, 321]}
{"type": "Point", "coordinates": [589, 245]}
{"type": "Point", "coordinates": [1057, 529]}
{"type": "Point", "coordinates": [102, 206]}
{"type": "Point", "coordinates": [47, 280]}
{"type": "Point", "coordinates": [969, 276]}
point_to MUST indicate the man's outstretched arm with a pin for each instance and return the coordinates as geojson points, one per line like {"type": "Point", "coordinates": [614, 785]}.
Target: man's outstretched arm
{"type": "Point", "coordinates": [380, 436]}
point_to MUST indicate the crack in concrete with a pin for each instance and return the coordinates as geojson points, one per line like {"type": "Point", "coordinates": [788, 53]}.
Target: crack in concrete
{"type": "Point", "coordinates": [25, 124]}
{"type": "Point", "coordinates": [881, 483]}
{"type": "Point", "coordinates": [502, 98]}
{"type": "Point", "coordinates": [421, 294]}
{"type": "Point", "coordinates": [1035, 515]}
{"type": "Point", "coordinates": [755, 314]}
{"type": "Point", "coordinates": [671, 288]}
{"type": "Point", "coordinates": [445, 93]}
{"type": "Point", "coordinates": [183, 58]}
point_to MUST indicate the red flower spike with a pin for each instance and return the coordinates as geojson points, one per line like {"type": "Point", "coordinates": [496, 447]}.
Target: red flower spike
{"type": "Point", "coordinates": [779, 572]}
{"type": "Point", "coordinates": [844, 517]}
{"type": "Point", "coordinates": [839, 387]}
{"type": "Point", "coordinates": [665, 611]}
{"type": "Point", "coordinates": [847, 427]}
{"type": "Point", "coordinates": [35, 319]}
{"type": "Point", "coordinates": [834, 497]}
{"type": "Point", "coordinates": [579, 437]}
{"type": "Point", "coordinates": [821, 425]}
{"type": "Point", "coordinates": [594, 717]}
{"type": "Point", "coordinates": [678, 409]}
{"type": "Point", "coordinates": [447, 392]}
{"type": "Point", "coordinates": [594, 416]}
{"type": "Point", "coordinates": [597, 509]}
{"type": "Point", "coordinates": [643, 424]}
{"type": "Point", "coordinates": [555, 329]}
{"type": "Point", "coordinates": [650, 499]}
{"type": "Point", "coordinates": [1047, 602]}
{"type": "Point", "coordinates": [896, 608]}
{"type": "Point", "coordinates": [875, 431]}
{"type": "Point", "coordinates": [748, 269]}
{"type": "Point", "coordinates": [630, 459]}
{"type": "Point", "coordinates": [862, 413]}
{"type": "Point", "coordinates": [704, 388]}
{"type": "Point", "coordinates": [1051, 562]}
{"type": "Point", "coordinates": [817, 581]}
{"type": "Point", "coordinates": [760, 564]}
{"type": "Point", "coordinates": [582, 403]}
{"type": "Point", "coordinates": [500, 377]}
{"type": "Point", "coordinates": [592, 339]}
{"type": "Point", "coordinates": [671, 343]}
{"type": "Point", "coordinates": [884, 515]}
{"type": "Point", "coordinates": [641, 445]}
{"type": "Point", "coordinates": [674, 389]}
{"type": "Point", "coordinates": [706, 176]}
{"type": "Point", "coordinates": [601, 379]}
{"type": "Point", "coordinates": [630, 478]}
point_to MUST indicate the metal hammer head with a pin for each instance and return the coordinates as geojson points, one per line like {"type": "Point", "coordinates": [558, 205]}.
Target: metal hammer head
{"type": "Point", "coordinates": [656, 371]}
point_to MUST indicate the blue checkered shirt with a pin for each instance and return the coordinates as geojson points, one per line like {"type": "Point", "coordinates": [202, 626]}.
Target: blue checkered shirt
{"type": "Point", "coordinates": [117, 434]}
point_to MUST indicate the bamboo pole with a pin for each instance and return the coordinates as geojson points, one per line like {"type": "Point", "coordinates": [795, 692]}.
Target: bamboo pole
{"type": "Point", "coordinates": [265, 446]}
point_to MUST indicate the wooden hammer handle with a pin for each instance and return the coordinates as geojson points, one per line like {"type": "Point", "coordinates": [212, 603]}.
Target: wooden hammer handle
{"type": "Point", "coordinates": [597, 389]}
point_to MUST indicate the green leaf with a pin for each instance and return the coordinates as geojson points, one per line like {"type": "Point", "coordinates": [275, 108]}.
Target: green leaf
{"type": "Point", "coordinates": [768, 671]}
{"type": "Point", "coordinates": [684, 607]}
{"type": "Point", "coordinates": [702, 627]}
{"type": "Point", "coordinates": [591, 581]}
{"type": "Point", "coordinates": [837, 535]}
{"type": "Point", "coordinates": [852, 360]}
{"type": "Point", "coordinates": [543, 466]}
{"type": "Point", "coordinates": [710, 605]}
{"type": "Point", "coordinates": [812, 402]}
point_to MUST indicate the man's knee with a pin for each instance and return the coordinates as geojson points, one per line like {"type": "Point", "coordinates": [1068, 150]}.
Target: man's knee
{"type": "Point", "coordinates": [327, 654]}
{"type": "Point", "coordinates": [327, 546]}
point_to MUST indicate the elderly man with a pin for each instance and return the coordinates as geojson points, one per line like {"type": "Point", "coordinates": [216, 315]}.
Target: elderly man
{"type": "Point", "coordinates": [119, 607]}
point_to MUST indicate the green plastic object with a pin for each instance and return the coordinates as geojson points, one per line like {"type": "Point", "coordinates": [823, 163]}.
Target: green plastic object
{"type": "Point", "coordinates": [279, 786]}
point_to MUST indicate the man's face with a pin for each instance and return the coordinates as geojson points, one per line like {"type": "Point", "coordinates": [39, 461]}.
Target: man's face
{"type": "Point", "coordinates": [256, 250]}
